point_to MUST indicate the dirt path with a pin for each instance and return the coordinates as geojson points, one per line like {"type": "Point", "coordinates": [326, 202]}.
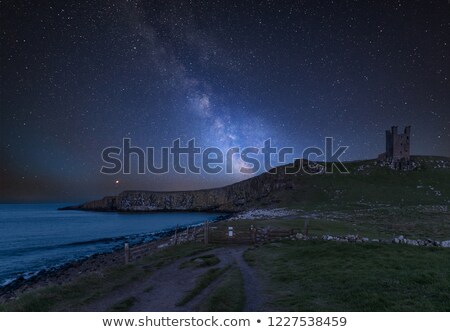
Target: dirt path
{"type": "Point", "coordinates": [167, 286]}
{"type": "Point", "coordinates": [253, 300]}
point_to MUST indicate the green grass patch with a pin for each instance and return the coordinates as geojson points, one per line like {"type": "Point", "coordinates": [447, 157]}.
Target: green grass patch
{"type": "Point", "coordinates": [368, 184]}
{"type": "Point", "coordinates": [330, 276]}
{"type": "Point", "coordinates": [148, 289]}
{"type": "Point", "coordinates": [384, 222]}
{"type": "Point", "coordinates": [201, 261]}
{"type": "Point", "coordinates": [75, 294]}
{"type": "Point", "coordinates": [124, 305]}
{"type": "Point", "coordinates": [202, 282]}
{"type": "Point", "coordinates": [229, 296]}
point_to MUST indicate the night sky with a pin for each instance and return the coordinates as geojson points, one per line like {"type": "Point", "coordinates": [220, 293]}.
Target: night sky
{"type": "Point", "coordinates": [79, 76]}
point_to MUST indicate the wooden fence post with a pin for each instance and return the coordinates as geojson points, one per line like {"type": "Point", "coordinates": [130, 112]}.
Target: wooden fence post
{"type": "Point", "coordinates": [176, 235]}
{"type": "Point", "coordinates": [305, 230]}
{"type": "Point", "coordinates": [253, 234]}
{"type": "Point", "coordinates": [127, 253]}
{"type": "Point", "coordinates": [206, 232]}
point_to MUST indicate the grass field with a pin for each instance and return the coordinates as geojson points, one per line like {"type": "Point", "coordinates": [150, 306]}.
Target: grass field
{"type": "Point", "coordinates": [371, 201]}
{"type": "Point", "coordinates": [381, 223]}
{"type": "Point", "coordinates": [325, 276]}
{"type": "Point", "coordinates": [204, 281]}
{"type": "Point", "coordinates": [369, 185]}
{"type": "Point", "coordinates": [228, 296]}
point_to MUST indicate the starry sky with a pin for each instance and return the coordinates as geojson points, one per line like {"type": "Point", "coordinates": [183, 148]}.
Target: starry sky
{"type": "Point", "coordinates": [78, 76]}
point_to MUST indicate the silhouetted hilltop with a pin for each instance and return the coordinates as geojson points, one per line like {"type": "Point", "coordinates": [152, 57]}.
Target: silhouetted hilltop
{"type": "Point", "coordinates": [367, 182]}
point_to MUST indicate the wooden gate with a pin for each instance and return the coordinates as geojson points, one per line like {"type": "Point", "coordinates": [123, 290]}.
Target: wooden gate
{"type": "Point", "coordinates": [224, 234]}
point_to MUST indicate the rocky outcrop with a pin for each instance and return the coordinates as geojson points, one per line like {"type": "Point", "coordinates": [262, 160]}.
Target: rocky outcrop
{"type": "Point", "coordinates": [231, 198]}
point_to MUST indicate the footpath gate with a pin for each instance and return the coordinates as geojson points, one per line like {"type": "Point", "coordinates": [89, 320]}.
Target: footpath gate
{"type": "Point", "coordinates": [226, 234]}
{"type": "Point", "coordinates": [213, 233]}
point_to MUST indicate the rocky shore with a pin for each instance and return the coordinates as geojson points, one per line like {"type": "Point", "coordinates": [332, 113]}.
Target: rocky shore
{"type": "Point", "coordinates": [62, 274]}
{"type": "Point", "coordinates": [70, 271]}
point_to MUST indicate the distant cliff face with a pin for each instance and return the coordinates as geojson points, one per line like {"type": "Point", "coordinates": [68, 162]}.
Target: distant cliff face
{"type": "Point", "coordinates": [230, 198]}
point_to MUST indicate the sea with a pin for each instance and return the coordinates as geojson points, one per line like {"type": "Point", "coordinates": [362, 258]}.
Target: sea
{"type": "Point", "coordinates": [36, 237]}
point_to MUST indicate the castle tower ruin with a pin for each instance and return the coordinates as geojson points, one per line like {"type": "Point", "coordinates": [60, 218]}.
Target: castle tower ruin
{"type": "Point", "coordinates": [397, 148]}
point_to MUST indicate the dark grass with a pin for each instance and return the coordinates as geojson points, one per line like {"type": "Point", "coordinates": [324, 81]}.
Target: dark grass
{"type": "Point", "coordinates": [124, 305]}
{"type": "Point", "coordinates": [149, 289]}
{"type": "Point", "coordinates": [372, 185]}
{"type": "Point", "coordinates": [327, 276]}
{"type": "Point", "coordinates": [203, 281]}
{"type": "Point", "coordinates": [229, 296]}
{"type": "Point", "coordinates": [376, 202]}
{"type": "Point", "coordinates": [72, 295]}
{"type": "Point", "coordinates": [384, 223]}
{"type": "Point", "coordinates": [201, 261]}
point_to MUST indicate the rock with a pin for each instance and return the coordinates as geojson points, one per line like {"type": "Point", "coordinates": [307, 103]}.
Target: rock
{"type": "Point", "coordinates": [365, 239]}
{"type": "Point", "coordinates": [375, 240]}
{"type": "Point", "coordinates": [351, 238]}
{"type": "Point", "coordinates": [231, 198]}
{"type": "Point", "coordinates": [299, 236]}
{"type": "Point", "coordinates": [445, 244]}
{"type": "Point", "coordinates": [401, 238]}
{"type": "Point", "coordinates": [396, 240]}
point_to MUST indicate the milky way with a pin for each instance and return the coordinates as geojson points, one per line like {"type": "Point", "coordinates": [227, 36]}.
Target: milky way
{"type": "Point", "coordinates": [79, 76]}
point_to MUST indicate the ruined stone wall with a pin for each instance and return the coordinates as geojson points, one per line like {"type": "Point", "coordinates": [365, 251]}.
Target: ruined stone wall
{"type": "Point", "coordinates": [397, 145]}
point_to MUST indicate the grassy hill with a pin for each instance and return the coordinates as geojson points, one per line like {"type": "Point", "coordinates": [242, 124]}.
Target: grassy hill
{"type": "Point", "coordinates": [371, 185]}
{"type": "Point", "coordinates": [372, 200]}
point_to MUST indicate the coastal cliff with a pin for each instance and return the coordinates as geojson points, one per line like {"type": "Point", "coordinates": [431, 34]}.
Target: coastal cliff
{"type": "Point", "coordinates": [231, 198]}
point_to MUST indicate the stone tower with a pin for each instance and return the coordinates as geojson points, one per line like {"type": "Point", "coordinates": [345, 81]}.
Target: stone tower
{"type": "Point", "coordinates": [397, 147]}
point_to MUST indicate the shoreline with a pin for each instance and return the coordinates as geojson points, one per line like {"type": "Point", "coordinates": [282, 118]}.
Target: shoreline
{"type": "Point", "coordinates": [90, 265]}
{"type": "Point", "coordinates": [97, 264]}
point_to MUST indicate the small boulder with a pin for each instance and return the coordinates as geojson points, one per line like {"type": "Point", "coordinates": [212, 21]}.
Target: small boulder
{"type": "Point", "coordinates": [299, 236]}
{"type": "Point", "coordinates": [445, 244]}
